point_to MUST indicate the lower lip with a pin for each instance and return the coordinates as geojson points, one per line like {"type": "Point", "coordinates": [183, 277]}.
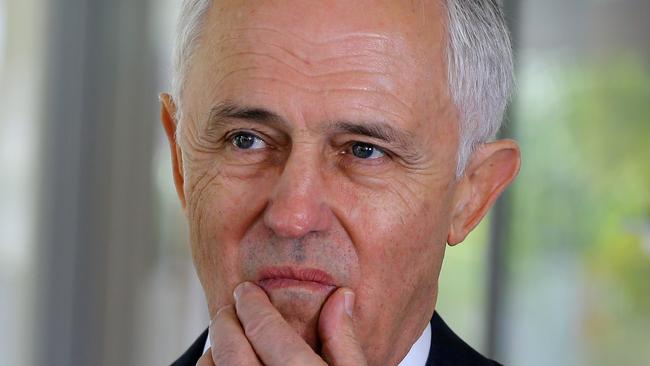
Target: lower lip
{"type": "Point", "coordinates": [285, 283]}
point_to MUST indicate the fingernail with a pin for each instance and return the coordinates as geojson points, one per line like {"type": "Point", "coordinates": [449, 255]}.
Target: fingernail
{"type": "Point", "coordinates": [349, 302]}
{"type": "Point", "coordinates": [238, 290]}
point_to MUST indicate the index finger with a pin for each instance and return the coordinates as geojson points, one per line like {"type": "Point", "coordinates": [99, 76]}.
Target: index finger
{"type": "Point", "coordinates": [229, 344]}
{"type": "Point", "coordinates": [274, 340]}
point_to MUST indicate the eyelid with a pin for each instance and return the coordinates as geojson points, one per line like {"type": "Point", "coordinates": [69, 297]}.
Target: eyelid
{"type": "Point", "coordinates": [232, 133]}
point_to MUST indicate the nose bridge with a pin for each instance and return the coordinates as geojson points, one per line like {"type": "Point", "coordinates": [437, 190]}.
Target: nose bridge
{"type": "Point", "coordinates": [297, 205]}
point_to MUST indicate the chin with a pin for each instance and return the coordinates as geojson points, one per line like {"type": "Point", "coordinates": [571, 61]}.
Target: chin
{"type": "Point", "coordinates": [301, 309]}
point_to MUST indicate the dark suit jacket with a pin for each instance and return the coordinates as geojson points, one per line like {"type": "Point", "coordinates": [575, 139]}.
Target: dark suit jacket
{"type": "Point", "coordinates": [446, 349]}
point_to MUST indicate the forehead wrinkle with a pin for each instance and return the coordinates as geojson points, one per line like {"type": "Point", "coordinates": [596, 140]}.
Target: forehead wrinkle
{"type": "Point", "coordinates": [227, 25]}
{"type": "Point", "coordinates": [300, 71]}
{"type": "Point", "coordinates": [378, 44]}
{"type": "Point", "coordinates": [353, 51]}
{"type": "Point", "coordinates": [378, 70]}
{"type": "Point", "coordinates": [304, 87]}
{"type": "Point", "coordinates": [362, 55]}
{"type": "Point", "coordinates": [373, 36]}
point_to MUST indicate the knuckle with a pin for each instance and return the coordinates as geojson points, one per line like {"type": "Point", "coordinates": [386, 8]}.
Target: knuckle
{"type": "Point", "coordinates": [225, 311]}
{"type": "Point", "coordinates": [345, 337]}
{"type": "Point", "coordinates": [263, 324]}
{"type": "Point", "coordinates": [351, 338]}
{"type": "Point", "coordinates": [233, 352]}
{"type": "Point", "coordinates": [227, 354]}
{"type": "Point", "coordinates": [223, 319]}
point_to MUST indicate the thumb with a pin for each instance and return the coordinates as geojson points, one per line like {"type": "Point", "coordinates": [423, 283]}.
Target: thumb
{"type": "Point", "coordinates": [336, 329]}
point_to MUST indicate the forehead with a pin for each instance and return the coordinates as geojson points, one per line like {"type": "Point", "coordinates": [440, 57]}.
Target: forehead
{"type": "Point", "coordinates": [326, 19]}
{"type": "Point", "coordinates": [384, 55]}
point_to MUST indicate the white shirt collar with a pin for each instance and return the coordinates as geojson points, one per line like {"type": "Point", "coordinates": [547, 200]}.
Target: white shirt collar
{"type": "Point", "coordinates": [419, 352]}
{"type": "Point", "coordinates": [417, 355]}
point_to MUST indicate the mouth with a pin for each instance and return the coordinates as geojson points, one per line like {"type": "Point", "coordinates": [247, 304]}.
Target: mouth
{"type": "Point", "coordinates": [274, 278]}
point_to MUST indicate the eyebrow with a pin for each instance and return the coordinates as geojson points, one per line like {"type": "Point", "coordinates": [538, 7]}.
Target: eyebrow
{"type": "Point", "coordinates": [379, 130]}
{"type": "Point", "coordinates": [229, 110]}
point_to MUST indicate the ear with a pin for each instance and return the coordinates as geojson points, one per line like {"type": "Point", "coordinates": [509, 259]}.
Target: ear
{"type": "Point", "coordinates": [167, 117]}
{"type": "Point", "coordinates": [492, 168]}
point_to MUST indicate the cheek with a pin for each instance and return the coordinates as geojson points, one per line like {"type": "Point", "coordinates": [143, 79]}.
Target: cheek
{"type": "Point", "coordinates": [406, 217]}
{"type": "Point", "coordinates": [220, 208]}
{"type": "Point", "coordinates": [401, 243]}
{"type": "Point", "coordinates": [221, 204]}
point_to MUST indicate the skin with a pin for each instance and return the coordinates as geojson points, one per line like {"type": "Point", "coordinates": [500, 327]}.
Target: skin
{"type": "Point", "coordinates": [302, 77]}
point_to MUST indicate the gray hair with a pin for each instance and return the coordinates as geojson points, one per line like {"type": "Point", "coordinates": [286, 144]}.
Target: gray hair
{"type": "Point", "coordinates": [479, 66]}
{"type": "Point", "coordinates": [479, 71]}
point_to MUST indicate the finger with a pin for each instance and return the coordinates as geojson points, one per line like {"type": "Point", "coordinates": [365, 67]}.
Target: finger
{"type": "Point", "coordinates": [336, 330]}
{"type": "Point", "coordinates": [274, 340]}
{"type": "Point", "coordinates": [229, 343]}
{"type": "Point", "coordinates": [206, 359]}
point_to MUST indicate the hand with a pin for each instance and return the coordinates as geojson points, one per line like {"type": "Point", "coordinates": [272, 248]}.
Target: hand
{"type": "Point", "coordinates": [254, 333]}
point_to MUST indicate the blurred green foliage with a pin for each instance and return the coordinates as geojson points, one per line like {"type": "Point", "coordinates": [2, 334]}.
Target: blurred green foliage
{"type": "Point", "coordinates": [584, 195]}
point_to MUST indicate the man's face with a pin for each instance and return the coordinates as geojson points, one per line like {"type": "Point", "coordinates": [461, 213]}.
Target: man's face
{"type": "Point", "coordinates": [319, 149]}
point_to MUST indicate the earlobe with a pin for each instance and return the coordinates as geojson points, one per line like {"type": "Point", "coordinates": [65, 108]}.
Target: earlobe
{"type": "Point", "coordinates": [493, 167]}
{"type": "Point", "coordinates": [462, 197]}
{"type": "Point", "coordinates": [167, 117]}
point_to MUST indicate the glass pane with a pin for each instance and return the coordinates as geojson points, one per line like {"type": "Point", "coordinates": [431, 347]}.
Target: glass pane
{"type": "Point", "coordinates": [580, 260]}
{"type": "Point", "coordinates": [20, 63]}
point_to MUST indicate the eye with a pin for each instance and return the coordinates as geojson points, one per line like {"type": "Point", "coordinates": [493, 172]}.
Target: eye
{"type": "Point", "coordinates": [247, 141]}
{"type": "Point", "coordinates": [367, 151]}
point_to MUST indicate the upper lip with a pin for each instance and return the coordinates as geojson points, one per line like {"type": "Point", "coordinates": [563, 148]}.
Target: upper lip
{"type": "Point", "coordinates": [295, 273]}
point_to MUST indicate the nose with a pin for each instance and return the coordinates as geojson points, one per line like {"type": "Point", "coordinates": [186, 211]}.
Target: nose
{"type": "Point", "coordinates": [297, 205]}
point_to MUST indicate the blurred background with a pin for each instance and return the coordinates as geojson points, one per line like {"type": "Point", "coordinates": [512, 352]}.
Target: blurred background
{"type": "Point", "coordinates": [94, 263]}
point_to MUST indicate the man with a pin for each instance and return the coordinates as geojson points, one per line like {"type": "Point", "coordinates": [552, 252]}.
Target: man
{"type": "Point", "coordinates": [325, 153]}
